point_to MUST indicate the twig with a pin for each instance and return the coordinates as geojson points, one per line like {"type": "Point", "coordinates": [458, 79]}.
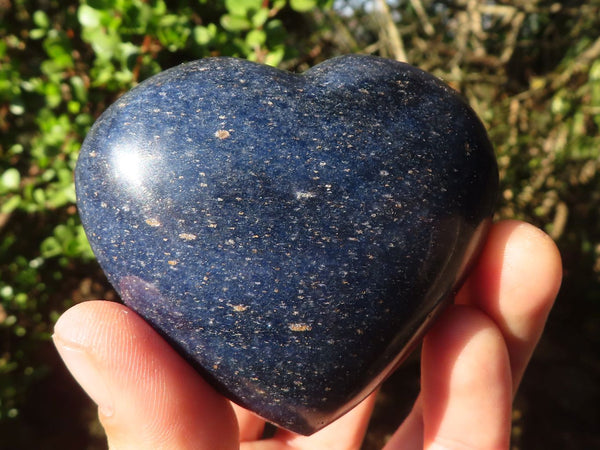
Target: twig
{"type": "Point", "coordinates": [581, 63]}
{"type": "Point", "coordinates": [475, 22]}
{"type": "Point", "coordinates": [497, 10]}
{"type": "Point", "coordinates": [4, 218]}
{"type": "Point", "coordinates": [422, 15]}
{"type": "Point", "coordinates": [460, 40]}
{"type": "Point", "coordinates": [391, 31]}
{"type": "Point", "coordinates": [511, 37]}
{"type": "Point", "coordinates": [560, 220]}
{"type": "Point", "coordinates": [343, 36]}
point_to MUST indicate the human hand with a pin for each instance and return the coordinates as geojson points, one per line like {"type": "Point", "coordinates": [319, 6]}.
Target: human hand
{"type": "Point", "coordinates": [472, 361]}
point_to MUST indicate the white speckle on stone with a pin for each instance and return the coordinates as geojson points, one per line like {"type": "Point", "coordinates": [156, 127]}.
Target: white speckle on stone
{"type": "Point", "coordinates": [299, 327]}
{"type": "Point", "coordinates": [303, 195]}
{"type": "Point", "coordinates": [153, 222]}
{"type": "Point", "coordinates": [222, 134]}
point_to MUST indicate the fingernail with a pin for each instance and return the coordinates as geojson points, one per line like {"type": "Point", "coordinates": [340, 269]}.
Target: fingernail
{"type": "Point", "coordinates": [85, 371]}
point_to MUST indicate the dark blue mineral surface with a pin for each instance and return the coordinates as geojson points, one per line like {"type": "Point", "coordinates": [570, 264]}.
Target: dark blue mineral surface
{"type": "Point", "coordinates": [291, 235]}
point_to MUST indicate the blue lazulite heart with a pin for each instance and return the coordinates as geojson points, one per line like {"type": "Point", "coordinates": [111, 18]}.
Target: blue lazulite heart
{"type": "Point", "coordinates": [290, 235]}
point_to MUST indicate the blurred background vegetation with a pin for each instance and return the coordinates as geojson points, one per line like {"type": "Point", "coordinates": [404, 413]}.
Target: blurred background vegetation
{"type": "Point", "coordinates": [531, 69]}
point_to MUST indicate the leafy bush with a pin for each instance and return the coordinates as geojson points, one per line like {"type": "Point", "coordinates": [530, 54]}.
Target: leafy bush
{"type": "Point", "coordinates": [531, 70]}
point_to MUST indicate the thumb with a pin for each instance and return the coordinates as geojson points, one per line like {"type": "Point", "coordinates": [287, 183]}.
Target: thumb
{"type": "Point", "coordinates": [148, 397]}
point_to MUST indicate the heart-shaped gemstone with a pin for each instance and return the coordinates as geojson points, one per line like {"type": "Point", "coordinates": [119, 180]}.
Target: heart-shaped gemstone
{"type": "Point", "coordinates": [290, 235]}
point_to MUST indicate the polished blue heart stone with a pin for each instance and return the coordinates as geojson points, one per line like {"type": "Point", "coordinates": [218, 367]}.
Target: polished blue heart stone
{"type": "Point", "coordinates": [291, 235]}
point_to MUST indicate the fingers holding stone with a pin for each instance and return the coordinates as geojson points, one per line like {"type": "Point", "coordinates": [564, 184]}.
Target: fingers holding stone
{"type": "Point", "coordinates": [515, 283]}
{"type": "Point", "coordinates": [148, 396]}
{"type": "Point", "coordinates": [466, 382]}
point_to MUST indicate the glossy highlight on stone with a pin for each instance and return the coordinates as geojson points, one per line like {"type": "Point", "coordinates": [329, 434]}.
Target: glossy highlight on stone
{"type": "Point", "coordinates": [291, 235]}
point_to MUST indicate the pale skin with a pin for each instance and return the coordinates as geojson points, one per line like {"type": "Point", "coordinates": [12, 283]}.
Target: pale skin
{"type": "Point", "coordinates": [472, 362]}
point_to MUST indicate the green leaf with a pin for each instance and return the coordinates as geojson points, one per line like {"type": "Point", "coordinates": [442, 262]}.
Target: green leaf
{"type": "Point", "coordinates": [104, 45]}
{"type": "Point", "coordinates": [79, 90]}
{"type": "Point", "coordinates": [235, 23]}
{"type": "Point", "coordinates": [89, 17]}
{"type": "Point", "coordinates": [40, 18]}
{"type": "Point", "coordinates": [275, 56]}
{"type": "Point", "coordinates": [85, 250]}
{"type": "Point", "coordinates": [7, 292]}
{"type": "Point", "coordinates": [17, 107]}
{"type": "Point", "coordinates": [50, 247]}
{"type": "Point", "coordinates": [203, 35]}
{"type": "Point", "coordinates": [11, 204]}
{"type": "Point", "coordinates": [11, 179]}
{"type": "Point", "coordinates": [256, 38]}
{"type": "Point", "coordinates": [39, 196]}
{"type": "Point", "coordinates": [242, 7]}
{"type": "Point", "coordinates": [73, 107]}
{"type": "Point", "coordinates": [37, 33]}
{"type": "Point", "coordinates": [303, 5]}
{"type": "Point", "coordinates": [260, 17]}
{"type": "Point", "coordinates": [595, 71]}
